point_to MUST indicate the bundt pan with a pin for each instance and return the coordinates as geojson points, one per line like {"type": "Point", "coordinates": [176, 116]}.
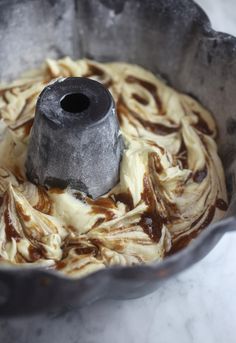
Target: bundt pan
{"type": "Point", "coordinates": [172, 38]}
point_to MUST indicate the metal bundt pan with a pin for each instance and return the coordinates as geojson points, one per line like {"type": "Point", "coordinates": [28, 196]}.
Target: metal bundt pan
{"type": "Point", "coordinates": [171, 37]}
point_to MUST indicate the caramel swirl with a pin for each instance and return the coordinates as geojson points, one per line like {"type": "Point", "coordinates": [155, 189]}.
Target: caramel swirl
{"type": "Point", "coordinates": [171, 179]}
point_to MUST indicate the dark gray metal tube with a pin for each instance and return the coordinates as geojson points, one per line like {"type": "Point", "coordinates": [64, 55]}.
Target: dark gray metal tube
{"type": "Point", "coordinates": [75, 140]}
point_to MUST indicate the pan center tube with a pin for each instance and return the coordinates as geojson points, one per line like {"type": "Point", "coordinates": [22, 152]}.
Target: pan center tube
{"type": "Point", "coordinates": [75, 139]}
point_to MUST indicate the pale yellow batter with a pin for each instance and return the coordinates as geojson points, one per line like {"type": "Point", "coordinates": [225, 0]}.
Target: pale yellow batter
{"type": "Point", "coordinates": [171, 179]}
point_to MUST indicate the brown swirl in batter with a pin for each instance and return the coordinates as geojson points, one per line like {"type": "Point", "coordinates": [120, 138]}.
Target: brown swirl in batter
{"type": "Point", "coordinates": [171, 179]}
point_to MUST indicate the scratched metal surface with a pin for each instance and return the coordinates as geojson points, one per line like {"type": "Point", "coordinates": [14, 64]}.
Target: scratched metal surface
{"type": "Point", "coordinates": [174, 39]}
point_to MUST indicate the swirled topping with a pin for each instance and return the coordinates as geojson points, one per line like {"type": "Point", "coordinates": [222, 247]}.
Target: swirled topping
{"type": "Point", "coordinates": [171, 179]}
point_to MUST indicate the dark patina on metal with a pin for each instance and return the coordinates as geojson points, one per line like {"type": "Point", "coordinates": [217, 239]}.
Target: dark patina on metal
{"type": "Point", "coordinates": [75, 140]}
{"type": "Point", "coordinates": [169, 37]}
